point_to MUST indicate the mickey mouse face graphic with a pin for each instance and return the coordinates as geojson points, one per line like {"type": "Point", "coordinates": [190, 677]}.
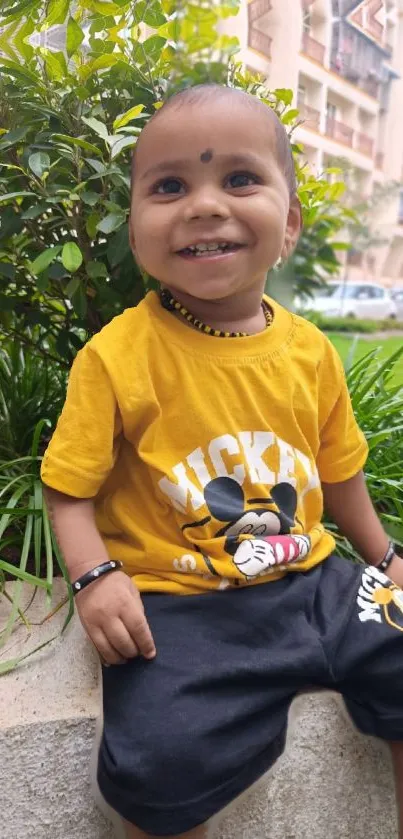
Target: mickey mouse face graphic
{"type": "Point", "coordinates": [257, 538]}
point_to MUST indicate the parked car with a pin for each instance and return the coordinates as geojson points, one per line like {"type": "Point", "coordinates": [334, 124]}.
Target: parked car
{"type": "Point", "coordinates": [366, 301]}
{"type": "Point", "coordinates": [397, 297]}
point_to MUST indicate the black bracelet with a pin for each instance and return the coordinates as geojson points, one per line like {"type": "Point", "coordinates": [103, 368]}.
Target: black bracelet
{"type": "Point", "coordinates": [390, 553]}
{"type": "Point", "coordinates": [99, 571]}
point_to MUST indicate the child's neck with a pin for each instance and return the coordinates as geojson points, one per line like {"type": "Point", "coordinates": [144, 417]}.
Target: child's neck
{"type": "Point", "coordinates": [239, 313]}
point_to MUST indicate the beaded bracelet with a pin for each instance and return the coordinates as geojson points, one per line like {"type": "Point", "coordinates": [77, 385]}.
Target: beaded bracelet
{"type": "Point", "coordinates": [95, 573]}
{"type": "Point", "coordinates": [390, 553]}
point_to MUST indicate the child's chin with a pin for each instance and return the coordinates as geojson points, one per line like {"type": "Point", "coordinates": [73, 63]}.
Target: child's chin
{"type": "Point", "coordinates": [209, 289]}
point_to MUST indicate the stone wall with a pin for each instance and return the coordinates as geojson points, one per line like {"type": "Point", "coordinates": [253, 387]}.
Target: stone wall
{"type": "Point", "coordinates": [332, 783]}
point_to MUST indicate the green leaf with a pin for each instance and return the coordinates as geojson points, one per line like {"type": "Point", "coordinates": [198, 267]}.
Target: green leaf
{"type": "Point", "coordinates": [96, 269]}
{"type": "Point", "coordinates": [77, 141]}
{"type": "Point", "coordinates": [39, 163]}
{"type": "Point", "coordinates": [105, 8]}
{"type": "Point", "coordinates": [337, 190]}
{"type": "Point", "coordinates": [123, 119]}
{"type": "Point", "coordinates": [341, 246]}
{"type": "Point", "coordinates": [102, 62]}
{"type": "Point", "coordinates": [72, 286]}
{"type": "Point", "coordinates": [79, 301]}
{"type": "Point", "coordinates": [56, 12]}
{"type": "Point", "coordinates": [90, 198]}
{"type": "Point", "coordinates": [284, 95]}
{"type": "Point", "coordinates": [111, 222]}
{"type": "Point", "coordinates": [151, 48]}
{"type": "Point", "coordinates": [44, 259]}
{"type": "Point", "coordinates": [118, 246]}
{"type": "Point", "coordinates": [12, 196]}
{"type": "Point", "coordinates": [96, 165]}
{"type": "Point", "coordinates": [20, 42]}
{"type": "Point", "coordinates": [121, 144]}
{"type": "Point", "coordinates": [14, 136]}
{"type": "Point", "coordinates": [91, 224]}
{"type": "Point", "coordinates": [290, 116]}
{"type": "Point", "coordinates": [153, 15]}
{"type": "Point", "coordinates": [71, 257]}
{"type": "Point", "coordinates": [56, 67]}
{"type": "Point", "coordinates": [42, 281]}
{"type": "Point", "coordinates": [74, 36]}
{"type": "Point", "coordinates": [96, 126]}
{"type": "Point", "coordinates": [35, 211]}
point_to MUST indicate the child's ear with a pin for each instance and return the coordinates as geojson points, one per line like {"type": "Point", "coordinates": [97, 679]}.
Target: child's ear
{"type": "Point", "coordinates": [132, 242]}
{"type": "Point", "coordinates": [293, 229]}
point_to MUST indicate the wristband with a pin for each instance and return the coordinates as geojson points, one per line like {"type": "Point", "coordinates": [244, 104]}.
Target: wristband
{"type": "Point", "coordinates": [390, 553]}
{"type": "Point", "coordinates": [99, 571]}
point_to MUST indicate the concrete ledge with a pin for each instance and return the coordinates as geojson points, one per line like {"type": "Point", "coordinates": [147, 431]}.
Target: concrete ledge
{"type": "Point", "coordinates": [332, 782]}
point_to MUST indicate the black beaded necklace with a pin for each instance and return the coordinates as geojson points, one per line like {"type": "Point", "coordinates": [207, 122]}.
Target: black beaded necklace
{"type": "Point", "coordinates": [172, 305]}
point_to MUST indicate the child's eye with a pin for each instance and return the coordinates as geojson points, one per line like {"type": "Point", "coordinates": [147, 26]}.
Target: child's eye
{"type": "Point", "coordinates": [240, 179]}
{"type": "Point", "coordinates": [169, 186]}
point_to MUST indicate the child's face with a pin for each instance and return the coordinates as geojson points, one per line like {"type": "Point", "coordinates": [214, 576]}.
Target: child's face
{"type": "Point", "coordinates": [209, 173]}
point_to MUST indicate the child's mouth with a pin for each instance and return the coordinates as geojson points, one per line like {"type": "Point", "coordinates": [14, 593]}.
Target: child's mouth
{"type": "Point", "coordinates": [209, 251]}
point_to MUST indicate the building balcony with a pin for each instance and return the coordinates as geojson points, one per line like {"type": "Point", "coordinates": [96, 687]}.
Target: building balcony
{"type": "Point", "coordinates": [312, 48]}
{"type": "Point", "coordinates": [311, 116]}
{"type": "Point", "coordinates": [346, 69]}
{"type": "Point", "coordinates": [365, 144]}
{"type": "Point", "coordinates": [355, 258]}
{"type": "Point", "coordinates": [339, 131]}
{"type": "Point", "coordinates": [371, 87]}
{"type": "Point", "coordinates": [379, 159]}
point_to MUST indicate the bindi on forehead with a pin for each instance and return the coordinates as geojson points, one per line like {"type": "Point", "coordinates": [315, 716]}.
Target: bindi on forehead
{"type": "Point", "coordinates": [206, 156]}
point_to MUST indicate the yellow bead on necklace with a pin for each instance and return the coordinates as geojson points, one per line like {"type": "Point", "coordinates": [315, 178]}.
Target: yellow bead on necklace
{"type": "Point", "coordinates": [172, 305]}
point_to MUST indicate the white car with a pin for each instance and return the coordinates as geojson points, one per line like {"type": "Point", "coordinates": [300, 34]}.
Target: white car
{"type": "Point", "coordinates": [397, 297]}
{"type": "Point", "coordinates": [366, 301]}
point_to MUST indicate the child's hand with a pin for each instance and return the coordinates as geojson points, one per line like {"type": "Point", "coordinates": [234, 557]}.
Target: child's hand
{"type": "Point", "coordinates": [112, 614]}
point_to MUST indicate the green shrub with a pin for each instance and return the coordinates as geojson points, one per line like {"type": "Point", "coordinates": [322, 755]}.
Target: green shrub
{"type": "Point", "coordinates": [26, 542]}
{"type": "Point", "coordinates": [378, 406]}
{"type": "Point", "coordinates": [69, 121]}
{"type": "Point", "coordinates": [32, 388]}
{"type": "Point", "coordinates": [352, 325]}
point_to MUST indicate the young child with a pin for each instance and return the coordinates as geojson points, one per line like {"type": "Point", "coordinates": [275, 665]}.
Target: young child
{"type": "Point", "coordinates": [201, 433]}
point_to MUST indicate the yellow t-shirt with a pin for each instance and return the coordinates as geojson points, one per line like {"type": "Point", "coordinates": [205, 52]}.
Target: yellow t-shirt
{"type": "Point", "coordinates": [205, 455]}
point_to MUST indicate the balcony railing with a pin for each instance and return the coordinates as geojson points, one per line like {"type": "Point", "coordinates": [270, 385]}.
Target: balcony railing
{"type": "Point", "coordinates": [355, 258]}
{"type": "Point", "coordinates": [312, 48]}
{"type": "Point", "coordinates": [365, 144]}
{"type": "Point", "coordinates": [311, 116]}
{"type": "Point", "coordinates": [379, 159]}
{"type": "Point", "coordinates": [371, 87]}
{"type": "Point", "coordinates": [339, 131]}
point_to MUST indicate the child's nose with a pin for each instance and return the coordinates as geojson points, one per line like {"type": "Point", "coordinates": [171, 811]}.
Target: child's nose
{"type": "Point", "coordinates": [207, 202]}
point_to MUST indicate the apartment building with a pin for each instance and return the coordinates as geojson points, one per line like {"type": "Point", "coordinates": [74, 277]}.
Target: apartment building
{"type": "Point", "coordinates": [344, 60]}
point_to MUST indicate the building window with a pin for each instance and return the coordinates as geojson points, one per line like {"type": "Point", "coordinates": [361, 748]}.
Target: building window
{"type": "Point", "coordinates": [400, 218]}
{"type": "Point", "coordinates": [331, 112]}
{"type": "Point", "coordinates": [301, 94]}
{"type": "Point", "coordinates": [307, 21]}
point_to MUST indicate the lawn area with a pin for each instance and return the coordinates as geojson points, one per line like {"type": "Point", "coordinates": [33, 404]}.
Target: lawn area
{"type": "Point", "coordinates": [364, 346]}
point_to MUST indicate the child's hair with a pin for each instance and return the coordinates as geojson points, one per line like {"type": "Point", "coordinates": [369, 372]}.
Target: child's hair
{"type": "Point", "coordinates": [201, 92]}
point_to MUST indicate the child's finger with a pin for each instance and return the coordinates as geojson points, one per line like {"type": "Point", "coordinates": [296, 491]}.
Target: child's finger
{"type": "Point", "coordinates": [139, 630]}
{"type": "Point", "coordinates": [105, 649]}
{"type": "Point", "coordinates": [120, 639]}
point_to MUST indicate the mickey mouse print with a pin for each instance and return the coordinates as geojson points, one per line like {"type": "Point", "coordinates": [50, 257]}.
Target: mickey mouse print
{"type": "Point", "coordinates": [242, 519]}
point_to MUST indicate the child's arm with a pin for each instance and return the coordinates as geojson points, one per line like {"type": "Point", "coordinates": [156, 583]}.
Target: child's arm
{"type": "Point", "coordinates": [349, 505]}
{"type": "Point", "coordinates": [110, 608]}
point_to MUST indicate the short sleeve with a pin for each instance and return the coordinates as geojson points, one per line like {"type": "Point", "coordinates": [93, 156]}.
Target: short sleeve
{"type": "Point", "coordinates": [84, 446]}
{"type": "Point", "coordinates": [343, 447]}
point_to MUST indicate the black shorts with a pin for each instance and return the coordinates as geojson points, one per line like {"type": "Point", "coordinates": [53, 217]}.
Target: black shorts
{"type": "Point", "coordinates": [187, 732]}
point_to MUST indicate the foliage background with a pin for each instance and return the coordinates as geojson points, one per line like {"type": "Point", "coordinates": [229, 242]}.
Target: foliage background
{"type": "Point", "coordinates": [79, 79]}
{"type": "Point", "coordinates": [68, 122]}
